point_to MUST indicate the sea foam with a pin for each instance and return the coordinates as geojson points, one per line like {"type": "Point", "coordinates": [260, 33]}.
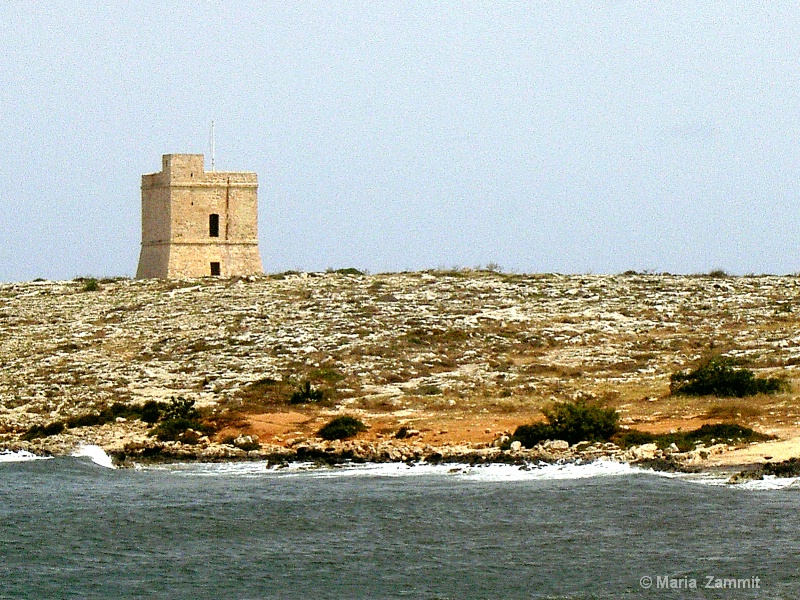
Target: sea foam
{"type": "Point", "coordinates": [464, 472]}
{"type": "Point", "coordinates": [96, 453]}
{"type": "Point", "coordinates": [19, 456]}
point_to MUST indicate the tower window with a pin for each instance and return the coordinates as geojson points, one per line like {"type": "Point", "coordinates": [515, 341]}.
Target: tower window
{"type": "Point", "coordinates": [214, 268]}
{"type": "Point", "coordinates": [213, 225]}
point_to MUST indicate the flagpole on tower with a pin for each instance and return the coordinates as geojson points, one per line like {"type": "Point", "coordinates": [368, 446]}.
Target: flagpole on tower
{"type": "Point", "coordinates": [212, 146]}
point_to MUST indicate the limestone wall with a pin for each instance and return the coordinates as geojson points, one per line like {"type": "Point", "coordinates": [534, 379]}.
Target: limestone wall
{"type": "Point", "coordinates": [176, 204]}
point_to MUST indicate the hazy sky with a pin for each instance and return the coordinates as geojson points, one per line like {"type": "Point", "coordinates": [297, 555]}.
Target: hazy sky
{"type": "Point", "coordinates": [542, 136]}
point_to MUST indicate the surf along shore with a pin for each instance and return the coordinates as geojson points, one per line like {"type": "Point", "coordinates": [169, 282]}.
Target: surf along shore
{"type": "Point", "coordinates": [457, 358]}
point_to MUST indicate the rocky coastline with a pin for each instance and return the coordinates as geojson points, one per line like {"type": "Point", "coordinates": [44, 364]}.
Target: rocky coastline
{"type": "Point", "coordinates": [134, 447]}
{"type": "Point", "coordinates": [462, 356]}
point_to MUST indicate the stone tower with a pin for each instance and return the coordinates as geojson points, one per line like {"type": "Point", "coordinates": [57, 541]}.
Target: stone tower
{"type": "Point", "coordinates": [197, 223]}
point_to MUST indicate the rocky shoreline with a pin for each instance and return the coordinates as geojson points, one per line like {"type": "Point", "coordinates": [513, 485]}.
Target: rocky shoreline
{"type": "Point", "coordinates": [461, 356]}
{"type": "Point", "coordinates": [136, 448]}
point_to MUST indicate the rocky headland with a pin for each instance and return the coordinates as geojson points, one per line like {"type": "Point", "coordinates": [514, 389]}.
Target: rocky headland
{"type": "Point", "coordinates": [458, 359]}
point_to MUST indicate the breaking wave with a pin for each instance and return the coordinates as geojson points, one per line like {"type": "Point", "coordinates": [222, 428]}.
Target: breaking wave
{"type": "Point", "coordinates": [96, 454]}
{"type": "Point", "coordinates": [19, 456]}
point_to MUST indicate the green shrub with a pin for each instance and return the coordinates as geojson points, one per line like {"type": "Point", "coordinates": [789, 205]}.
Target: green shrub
{"type": "Point", "coordinates": [349, 271]}
{"type": "Point", "coordinates": [721, 433]}
{"type": "Point", "coordinates": [341, 428]}
{"type": "Point", "coordinates": [787, 468]}
{"type": "Point", "coordinates": [178, 417]}
{"type": "Point", "coordinates": [91, 285]}
{"type": "Point", "coordinates": [174, 430]}
{"type": "Point", "coordinates": [150, 412]}
{"type": "Point", "coordinates": [571, 421]}
{"type": "Point", "coordinates": [179, 408]}
{"type": "Point", "coordinates": [634, 437]}
{"type": "Point", "coordinates": [718, 274]}
{"type": "Point", "coordinates": [306, 394]}
{"type": "Point", "coordinates": [39, 431]}
{"type": "Point", "coordinates": [720, 377]}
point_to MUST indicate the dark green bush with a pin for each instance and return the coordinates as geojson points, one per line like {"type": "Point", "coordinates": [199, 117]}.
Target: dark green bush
{"type": "Point", "coordinates": [178, 417]}
{"type": "Point", "coordinates": [349, 271]}
{"type": "Point", "coordinates": [179, 408]}
{"type": "Point", "coordinates": [341, 428]}
{"type": "Point", "coordinates": [173, 430]}
{"type": "Point", "coordinates": [787, 468]}
{"type": "Point", "coordinates": [91, 285]}
{"type": "Point", "coordinates": [39, 431]}
{"type": "Point", "coordinates": [571, 421]}
{"type": "Point", "coordinates": [150, 411]}
{"type": "Point", "coordinates": [306, 394]}
{"type": "Point", "coordinates": [719, 376]}
{"type": "Point", "coordinates": [721, 433]}
{"type": "Point", "coordinates": [634, 437]}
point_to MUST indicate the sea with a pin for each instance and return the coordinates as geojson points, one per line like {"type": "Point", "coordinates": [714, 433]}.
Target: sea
{"type": "Point", "coordinates": [74, 527]}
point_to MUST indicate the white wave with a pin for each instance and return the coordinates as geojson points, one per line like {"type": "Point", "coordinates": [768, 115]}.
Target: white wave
{"type": "Point", "coordinates": [770, 482]}
{"type": "Point", "coordinates": [597, 468]}
{"type": "Point", "coordinates": [96, 453]}
{"type": "Point", "coordinates": [19, 456]}
{"type": "Point", "coordinates": [490, 472]}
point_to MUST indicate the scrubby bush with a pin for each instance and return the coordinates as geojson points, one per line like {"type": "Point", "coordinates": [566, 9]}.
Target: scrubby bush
{"type": "Point", "coordinates": [719, 376]}
{"type": "Point", "coordinates": [341, 428]}
{"type": "Point", "coordinates": [634, 437]}
{"type": "Point", "coordinates": [183, 430]}
{"type": "Point", "coordinates": [571, 421]}
{"type": "Point", "coordinates": [721, 433]}
{"type": "Point", "coordinates": [349, 271]}
{"type": "Point", "coordinates": [181, 421]}
{"type": "Point", "coordinates": [150, 411]}
{"type": "Point", "coordinates": [90, 285]}
{"type": "Point", "coordinates": [180, 408]}
{"type": "Point", "coordinates": [39, 431]}
{"type": "Point", "coordinates": [786, 468]}
{"type": "Point", "coordinates": [306, 394]}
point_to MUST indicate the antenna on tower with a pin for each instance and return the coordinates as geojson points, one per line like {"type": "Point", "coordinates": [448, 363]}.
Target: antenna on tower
{"type": "Point", "coordinates": [212, 146]}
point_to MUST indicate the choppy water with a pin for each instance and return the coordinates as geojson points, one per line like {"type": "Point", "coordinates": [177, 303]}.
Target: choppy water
{"type": "Point", "coordinates": [70, 528]}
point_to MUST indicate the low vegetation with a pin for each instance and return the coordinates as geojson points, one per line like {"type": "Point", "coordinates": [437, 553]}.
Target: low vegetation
{"type": "Point", "coordinates": [173, 419]}
{"type": "Point", "coordinates": [342, 428]}
{"type": "Point", "coordinates": [149, 412]}
{"type": "Point", "coordinates": [720, 376]}
{"type": "Point", "coordinates": [571, 421]}
{"type": "Point", "coordinates": [306, 394]}
{"type": "Point", "coordinates": [707, 435]}
{"type": "Point", "coordinates": [586, 422]}
{"type": "Point", "coordinates": [316, 387]}
{"type": "Point", "coordinates": [181, 422]}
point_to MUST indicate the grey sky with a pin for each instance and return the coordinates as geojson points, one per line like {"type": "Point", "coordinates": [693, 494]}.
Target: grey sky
{"type": "Point", "coordinates": [543, 136]}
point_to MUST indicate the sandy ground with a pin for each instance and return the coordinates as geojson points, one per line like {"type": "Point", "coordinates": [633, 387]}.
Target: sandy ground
{"type": "Point", "coordinates": [777, 451]}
